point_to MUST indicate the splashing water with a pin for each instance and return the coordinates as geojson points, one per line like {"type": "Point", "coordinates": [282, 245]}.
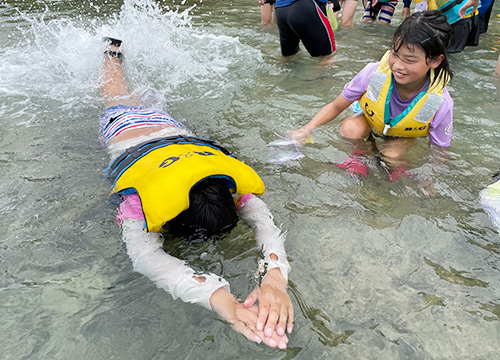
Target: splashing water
{"type": "Point", "coordinates": [59, 59]}
{"type": "Point", "coordinates": [57, 224]}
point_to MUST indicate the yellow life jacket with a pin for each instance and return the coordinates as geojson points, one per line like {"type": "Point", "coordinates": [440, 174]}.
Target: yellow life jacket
{"type": "Point", "coordinates": [414, 120]}
{"type": "Point", "coordinates": [163, 171]}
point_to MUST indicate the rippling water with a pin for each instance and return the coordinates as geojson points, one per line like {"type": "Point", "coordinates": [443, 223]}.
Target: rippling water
{"type": "Point", "coordinates": [381, 270]}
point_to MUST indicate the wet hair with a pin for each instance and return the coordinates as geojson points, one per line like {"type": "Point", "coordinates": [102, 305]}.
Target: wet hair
{"type": "Point", "coordinates": [430, 31]}
{"type": "Point", "coordinates": [211, 212]}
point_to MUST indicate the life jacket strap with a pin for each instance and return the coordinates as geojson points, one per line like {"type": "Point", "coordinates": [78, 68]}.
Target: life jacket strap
{"type": "Point", "coordinates": [451, 5]}
{"type": "Point", "coordinates": [132, 154]}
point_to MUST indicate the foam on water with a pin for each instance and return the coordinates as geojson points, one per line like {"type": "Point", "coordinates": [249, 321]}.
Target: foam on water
{"type": "Point", "coordinates": [59, 59]}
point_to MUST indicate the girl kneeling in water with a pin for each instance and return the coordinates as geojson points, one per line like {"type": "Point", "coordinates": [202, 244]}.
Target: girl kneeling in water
{"type": "Point", "coordinates": [402, 96]}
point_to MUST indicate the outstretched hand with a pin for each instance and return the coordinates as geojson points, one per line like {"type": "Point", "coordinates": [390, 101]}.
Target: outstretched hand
{"type": "Point", "coordinates": [275, 311]}
{"type": "Point", "coordinates": [469, 3]}
{"type": "Point", "coordinates": [243, 319]}
{"type": "Point", "coordinates": [300, 135]}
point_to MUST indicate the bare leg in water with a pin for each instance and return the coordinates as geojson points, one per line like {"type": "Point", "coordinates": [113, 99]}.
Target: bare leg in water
{"type": "Point", "coordinates": [114, 90]}
{"type": "Point", "coordinates": [114, 87]}
{"type": "Point", "coordinates": [390, 153]}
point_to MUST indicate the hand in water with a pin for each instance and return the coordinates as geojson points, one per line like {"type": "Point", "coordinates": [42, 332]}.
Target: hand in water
{"type": "Point", "coordinates": [243, 319]}
{"type": "Point", "coordinates": [300, 135]}
{"type": "Point", "coordinates": [275, 306]}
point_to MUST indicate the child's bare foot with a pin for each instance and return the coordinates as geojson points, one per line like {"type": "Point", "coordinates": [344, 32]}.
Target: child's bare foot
{"type": "Point", "coordinates": [113, 48]}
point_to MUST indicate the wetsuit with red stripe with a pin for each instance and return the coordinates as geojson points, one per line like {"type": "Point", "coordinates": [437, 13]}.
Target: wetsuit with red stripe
{"type": "Point", "coordinates": [306, 21]}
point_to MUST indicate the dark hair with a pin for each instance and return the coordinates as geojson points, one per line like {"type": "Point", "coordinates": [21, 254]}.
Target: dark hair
{"type": "Point", "coordinates": [211, 212]}
{"type": "Point", "coordinates": [430, 31]}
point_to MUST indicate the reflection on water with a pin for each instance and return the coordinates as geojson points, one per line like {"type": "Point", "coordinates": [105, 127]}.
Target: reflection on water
{"type": "Point", "coordinates": [431, 300]}
{"type": "Point", "coordinates": [319, 321]}
{"type": "Point", "coordinates": [453, 276]}
{"type": "Point", "coordinates": [381, 269]}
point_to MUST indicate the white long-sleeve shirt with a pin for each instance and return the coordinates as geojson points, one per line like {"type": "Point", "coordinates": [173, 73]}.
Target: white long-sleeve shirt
{"type": "Point", "coordinates": [148, 257]}
{"type": "Point", "coordinates": [177, 278]}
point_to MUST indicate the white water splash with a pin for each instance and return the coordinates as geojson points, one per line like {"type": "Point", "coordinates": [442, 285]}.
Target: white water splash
{"type": "Point", "coordinates": [59, 57]}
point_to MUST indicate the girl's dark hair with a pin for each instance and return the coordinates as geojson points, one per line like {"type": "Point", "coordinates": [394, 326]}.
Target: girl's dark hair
{"type": "Point", "coordinates": [211, 212]}
{"type": "Point", "coordinates": [430, 31]}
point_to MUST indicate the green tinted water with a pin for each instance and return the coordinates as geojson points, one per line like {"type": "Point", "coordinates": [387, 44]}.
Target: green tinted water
{"type": "Point", "coordinates": [380, 270]}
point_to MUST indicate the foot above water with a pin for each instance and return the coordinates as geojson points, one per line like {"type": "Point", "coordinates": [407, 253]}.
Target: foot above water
{"type": "Point", "coordinates": [113, 47]}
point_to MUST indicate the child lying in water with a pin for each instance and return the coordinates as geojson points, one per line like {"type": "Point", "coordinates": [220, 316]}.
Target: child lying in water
{"type": "Point", "coordinates": [170, 180]}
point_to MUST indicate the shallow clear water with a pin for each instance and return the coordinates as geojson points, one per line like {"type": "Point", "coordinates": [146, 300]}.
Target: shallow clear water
{"type": "Point", "coordinates": [381, 270]}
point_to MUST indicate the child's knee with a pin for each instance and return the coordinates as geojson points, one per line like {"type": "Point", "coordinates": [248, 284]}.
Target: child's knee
{"type": "Point", "coordinates": [354, 128]}
{"type": "Point", "coordinates": [396, 149]}
{"type": "Point", "coordinates": [392, 153]}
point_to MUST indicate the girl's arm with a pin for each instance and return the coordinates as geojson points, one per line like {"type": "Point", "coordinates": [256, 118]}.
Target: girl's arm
{"type": "Point", "coordinates": [267, 235]}
{"type": "Point", "coordinates": [353, 90]}
{"type": "Point", "coordinates": [166, 271]}
{"type": "Point", "coordinates": [275, 306]}
{"type": "Point", "coordinates": [468, 4]}
{"type": "Point", "coordinates": [145, 249]}
{"type": "Point", "coordinates": [325, 115]}
{"type": "Point", "coordinates": [173, 275]}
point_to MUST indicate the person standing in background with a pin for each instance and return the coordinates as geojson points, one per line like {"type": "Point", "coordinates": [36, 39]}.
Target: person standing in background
{"type": "Point", "coordinates": [267, 13]}
{"type": "Point", "coordinates": [306, 21]}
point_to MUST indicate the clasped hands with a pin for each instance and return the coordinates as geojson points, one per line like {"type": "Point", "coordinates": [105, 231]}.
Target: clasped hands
{"type": "Point", "coordinates": [266, 322]}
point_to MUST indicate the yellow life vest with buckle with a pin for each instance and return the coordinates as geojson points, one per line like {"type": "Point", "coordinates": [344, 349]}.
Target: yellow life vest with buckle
{"type": "Point", "coordinates": [414, 120]}
{"type": "Point", "coordinates": [162, 173]}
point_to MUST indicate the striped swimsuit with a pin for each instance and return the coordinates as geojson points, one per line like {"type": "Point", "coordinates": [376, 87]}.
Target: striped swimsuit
{"type": "Point", "coordinates": [118, 119]}
{"type": "Point", "coordinates": [385, 8]}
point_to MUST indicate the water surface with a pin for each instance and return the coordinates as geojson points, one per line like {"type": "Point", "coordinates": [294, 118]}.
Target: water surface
{"type": "Point", "coordinates": [381, 270]}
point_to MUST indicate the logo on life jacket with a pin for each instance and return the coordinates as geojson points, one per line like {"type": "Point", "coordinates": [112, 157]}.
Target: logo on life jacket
{"type": "Point", "coordinates": [170, 160]}
{"type": "Point", "coordinates": [368, 112]}
{"type": "Point", "coordinates": [416, 128]}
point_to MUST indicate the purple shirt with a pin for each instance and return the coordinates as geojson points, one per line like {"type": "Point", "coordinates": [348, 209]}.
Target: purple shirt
{"type": "Point", "coordinates": [441, 125]}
